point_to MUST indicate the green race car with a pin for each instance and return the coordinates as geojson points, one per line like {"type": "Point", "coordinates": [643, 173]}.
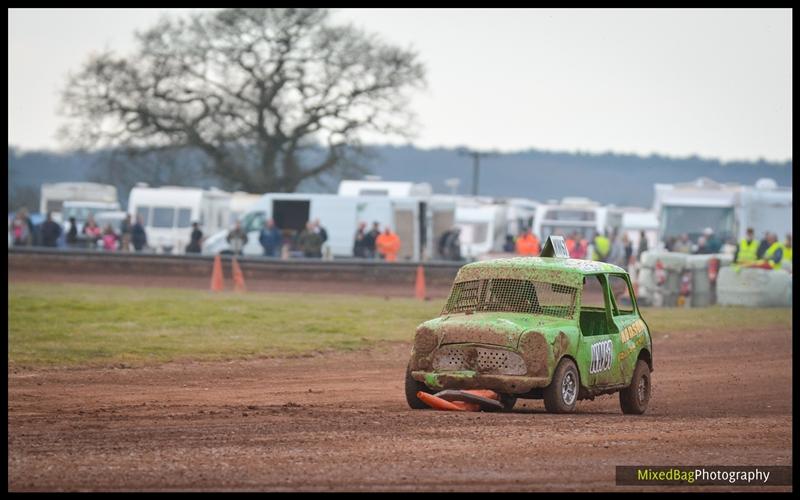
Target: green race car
{"type": "Point", "coordinates": [550, 328]}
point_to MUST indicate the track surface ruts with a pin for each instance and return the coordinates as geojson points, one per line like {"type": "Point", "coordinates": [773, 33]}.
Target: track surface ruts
{"type": "Point", "coordinates": [339, 422]}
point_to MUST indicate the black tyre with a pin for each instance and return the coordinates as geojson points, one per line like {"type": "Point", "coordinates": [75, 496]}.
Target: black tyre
{"type": "Point", "coordinates": [561, 396]}
{"type": "Point", "coordinates": [634, 399]}
{"type": "Point", "coordinates": [508, 400]}
{"type": "Point", "coordinates": [412, 388]}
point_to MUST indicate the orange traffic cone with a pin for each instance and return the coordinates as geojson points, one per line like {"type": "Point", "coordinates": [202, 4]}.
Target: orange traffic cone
{"type": "Point", "coordinates": [420, 285]}
{"type": "Point", "coordinates": [216, 275]}
{"type": "Point", "coordinates": [238, 277]}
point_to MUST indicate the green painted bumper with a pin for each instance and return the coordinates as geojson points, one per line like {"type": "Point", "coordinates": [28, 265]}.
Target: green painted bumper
{"type": "Point", "coordinates": [508, 384]}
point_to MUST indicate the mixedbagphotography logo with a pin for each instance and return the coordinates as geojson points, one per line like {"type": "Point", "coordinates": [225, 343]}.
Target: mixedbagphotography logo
{"type": "Point", "coordinates": [704, 475]}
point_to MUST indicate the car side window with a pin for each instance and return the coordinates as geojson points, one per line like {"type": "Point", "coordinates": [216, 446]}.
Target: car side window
{"type": "Point", "coordinates": [592, 295]}
{"type": "Point", "coordinates": [623, 304]}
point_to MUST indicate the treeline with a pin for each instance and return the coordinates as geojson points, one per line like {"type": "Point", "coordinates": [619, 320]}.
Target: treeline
{"type": "Point", "coordinates": [541, 175]}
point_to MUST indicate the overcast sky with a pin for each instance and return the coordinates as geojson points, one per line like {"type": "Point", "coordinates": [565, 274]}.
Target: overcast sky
{"type": "Point", "coordinates": [716, 83]}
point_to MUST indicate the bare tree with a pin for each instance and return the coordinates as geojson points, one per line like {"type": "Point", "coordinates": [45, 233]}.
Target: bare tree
{"type": "Point", "coordinates": [259, 91]}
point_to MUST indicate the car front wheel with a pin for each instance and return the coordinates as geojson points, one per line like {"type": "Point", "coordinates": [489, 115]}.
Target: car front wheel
{"type": "Point", "coordinates": [561, 396]}
{"type": "Point", "coordinates": [412, 388]}
{"type": "Point", "coordinates": [634, 398]}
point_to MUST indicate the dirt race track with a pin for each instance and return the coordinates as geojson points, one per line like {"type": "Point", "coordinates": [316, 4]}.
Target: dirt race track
{"type": "Point", "coordinates": [339, 421]}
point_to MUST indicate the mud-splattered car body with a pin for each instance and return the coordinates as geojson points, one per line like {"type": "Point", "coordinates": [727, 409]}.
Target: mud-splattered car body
{"type": "Point", "coordinates": [509, 324]}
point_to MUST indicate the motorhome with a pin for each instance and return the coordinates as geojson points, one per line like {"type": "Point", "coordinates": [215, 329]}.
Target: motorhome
{"type": "Point", "coordinates": [572, 214]}
{"type": "Point", "coordinates": [54, 195]}
{"type": "Point", "coordinates": [168, 213]}
{"type": "Point", "coordinates": [520, 215]}
{"type": "Point", "coordinates": [728, 209]}
{"type": "Point", "coordinates": [413, 219]}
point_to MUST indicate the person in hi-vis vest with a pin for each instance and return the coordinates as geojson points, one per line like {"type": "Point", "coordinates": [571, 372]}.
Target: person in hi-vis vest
{"type": "Point", "coordinates": [747, 250]}
{"type": "Point", "coordinates": [601, 247]}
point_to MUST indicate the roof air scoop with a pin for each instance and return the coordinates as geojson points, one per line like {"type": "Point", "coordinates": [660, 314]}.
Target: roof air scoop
{"type": "Point", "coordinates": [555, 247]}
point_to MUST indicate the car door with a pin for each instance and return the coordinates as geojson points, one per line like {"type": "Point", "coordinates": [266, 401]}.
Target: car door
{"type": "Point", "coordinates": [631, 328]}
{"type": "Point", "coordinates": [600, 340]}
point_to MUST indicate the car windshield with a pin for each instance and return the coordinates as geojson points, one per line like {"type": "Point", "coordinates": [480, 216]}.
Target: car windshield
{"type": "Point", "coordinates": [512, 295]}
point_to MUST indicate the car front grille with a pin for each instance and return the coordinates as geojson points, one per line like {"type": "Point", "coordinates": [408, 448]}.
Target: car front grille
{"type": "Point", "coordinates": [479, 359]}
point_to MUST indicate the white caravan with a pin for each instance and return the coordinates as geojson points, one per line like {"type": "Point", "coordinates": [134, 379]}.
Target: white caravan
{"type": "Point", "coordinates": [765, 207]}
{"type": "Point", "coordinates": [413, 220]}
{"type": "Point", "coordinates": [54, 195]}
{"type": "Point", "coordinates": [168, 213]}
{"type": "Point", "coordinates": [570, 215]}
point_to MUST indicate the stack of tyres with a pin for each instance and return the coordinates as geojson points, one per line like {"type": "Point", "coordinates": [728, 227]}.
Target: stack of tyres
{"type": "Point", "coordinates": [665, 294]}
{"type": "Point", "coordinates": [703, 291]}
{"type": "Point", "coordinates": [754, 287]}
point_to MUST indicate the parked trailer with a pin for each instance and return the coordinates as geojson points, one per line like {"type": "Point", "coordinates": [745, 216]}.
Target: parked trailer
{"type": "Point", "coordinates": [168, 213]}
{"type": "Point", "coordinates": [54, 195]}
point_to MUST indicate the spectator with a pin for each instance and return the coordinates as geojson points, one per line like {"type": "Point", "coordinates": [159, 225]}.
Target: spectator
{"type": "Point", "coordinates": [125, 234]}
{"type": "Point", "coordinates": [747, 251]}
{"type": "Point", "coordinates": [628, 245]}
{"type": "Point", "coordinates": [452, 245]}
{"type": "Point", "coordinates": [581, 247]}
{"type": "Point", "coordinates": [195, 239]}
{"type": "Point", "coordinates": [323, 234]}
{"type": "Point", "coordinates": [359, 242]}
{"type": "Point", "coordinates": [510, 245]}
{"type": "Point", "coordinates": [72, 233]}
{"type": "Point", "coordinates": [683, 245]}
{"type": "Point", "coordinates": [773, 256]}
{"type": "Point", "coordinates": [642, 245]}
{"type": "Point", "coordinates": [702, 246]}
{"type": "Point", "coordinates": [601, 247]}
{"type": "Point", "coordinates": [370, 240]}
{"type": "Point", "coordinates": [22, 228]}
{"type": "Point", "coordinates": [237, 238]}
{"type": "Point", "coordinates": [528, 244]}
{"type": "Point", "coordinates": [51, 231]}
{"type": "Point", "coordinates": [138, 235]}
{"type": "Point", "coordinates": [91, 230]}
{"type": "Point", "coordinates": [787, 252]}
{"type": "Point", "coordinates": [270, 239]}
{"type": "Point", "coordinates": [109, 238]}
{"type": "Point", "coordinates": [616, 254]}
{"type": "Point", "coordinates": [763, 245]}
{"type": "Point", "coordinates": [310, 242]}
{"type": "Point", "coordinates": [388, 245]}
{"type": "Point", "coordinates": [713, 243]}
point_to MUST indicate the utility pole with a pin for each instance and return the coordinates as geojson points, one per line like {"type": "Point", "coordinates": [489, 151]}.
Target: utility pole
{"type": "Point", "coordinates": [476, 166]}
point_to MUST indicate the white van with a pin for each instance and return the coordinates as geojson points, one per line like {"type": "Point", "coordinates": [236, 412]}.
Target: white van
{"type": "Point", "coordinates": [168, 212]}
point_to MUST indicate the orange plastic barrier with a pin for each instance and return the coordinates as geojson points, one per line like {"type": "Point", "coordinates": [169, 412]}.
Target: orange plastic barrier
{"type": "Point", "coordinates": [217, 284]}
{"type": "Point", "coordinates": [238, 277]}
{"type": "Point", "coordinates": [440, 404]}
{"type": "Point", "coordinates": [420, 284]}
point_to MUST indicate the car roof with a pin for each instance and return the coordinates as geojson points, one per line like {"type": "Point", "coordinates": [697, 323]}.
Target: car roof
{"type": "Point", "coordinates": [547, 269]}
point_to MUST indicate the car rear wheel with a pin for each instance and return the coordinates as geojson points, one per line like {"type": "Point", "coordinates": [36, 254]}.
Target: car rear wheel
{"type": "Point", "coordinates": [561, 396]}
{"type": "Point", "coordinates": [634, 399]}
{"type": "Point", "coordinates": [412, 388]}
